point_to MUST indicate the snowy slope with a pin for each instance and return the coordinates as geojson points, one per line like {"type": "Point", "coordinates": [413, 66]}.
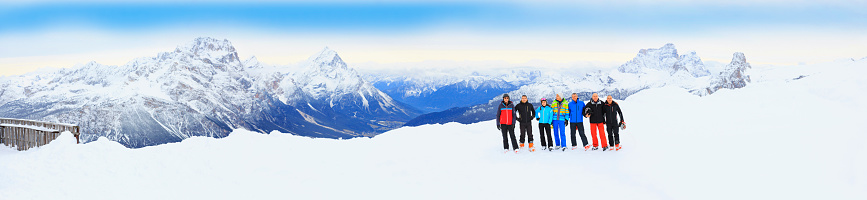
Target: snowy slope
{"type": "Point", "coordinates": [756, 142]}
{"type": "Point", "coordinates": [203, 89]}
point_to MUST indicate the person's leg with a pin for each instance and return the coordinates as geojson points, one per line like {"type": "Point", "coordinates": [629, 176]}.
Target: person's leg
{"type": "Point", "coordinates": [611, 135]}
{"type": "Point", "coordinates": [593, 129]}
{"type": "Point", "coordinates": [572, 132]}
{"type": "Point", "coordinates": [580, 127]}
{"type": "Point", "coordinates": [512, 135]}
{"type": "Point", "coordinates": [616, 135]}
{"type": "Point", "coordinates": [529, 127]}
{"type": "Point", "coordinates": [548, 132]}
{"type": "Point", "coordinates": [521, 129]}
{"type": "Point", "coordinates": [557, 125]}
{"type": "Point", "coordinates": [602, 134]}
{"type": "Point", "coordinates": [542, 134]}
{"type": "Point", "coordinates": [505, 137]}
{"type": "Point", "coordinates": [563, 135]}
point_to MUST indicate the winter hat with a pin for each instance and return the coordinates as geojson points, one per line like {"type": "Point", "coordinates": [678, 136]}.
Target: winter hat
{"type": "Point", "coordinates": [506, 95]}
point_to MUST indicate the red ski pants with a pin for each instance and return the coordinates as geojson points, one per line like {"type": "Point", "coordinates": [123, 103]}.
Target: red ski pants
{"type": "Point", "coordinates": [597, 130]}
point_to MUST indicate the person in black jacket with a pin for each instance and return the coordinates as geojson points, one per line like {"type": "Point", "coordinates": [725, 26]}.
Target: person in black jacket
{"type": "Point", "coordinates": [506, 122]}
{"type": "Point", "coordinates": [526, 113]}
{"type": "Point", "coordinates": [612, 109]}
{"type": "Point", "coordinates": [597, 120]}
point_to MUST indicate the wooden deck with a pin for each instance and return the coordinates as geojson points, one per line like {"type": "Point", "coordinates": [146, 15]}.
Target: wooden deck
{"type": "Point", "coordinates": [25, 134]}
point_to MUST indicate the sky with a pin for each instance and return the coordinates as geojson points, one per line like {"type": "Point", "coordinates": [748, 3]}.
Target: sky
{"type": "Point", "coordinates": [390, 34]}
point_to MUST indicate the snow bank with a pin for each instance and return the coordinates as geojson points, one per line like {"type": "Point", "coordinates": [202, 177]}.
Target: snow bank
{"type": "Point", "coordinates": [774, 139]}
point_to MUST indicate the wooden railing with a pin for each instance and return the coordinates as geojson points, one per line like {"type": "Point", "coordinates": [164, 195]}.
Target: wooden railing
{"type": "Point", "coordinates": [25, 134]}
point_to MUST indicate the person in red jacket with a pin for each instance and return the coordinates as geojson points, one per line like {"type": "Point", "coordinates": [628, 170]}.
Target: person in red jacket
{"type": "Point", "coordinates": [506, 123]}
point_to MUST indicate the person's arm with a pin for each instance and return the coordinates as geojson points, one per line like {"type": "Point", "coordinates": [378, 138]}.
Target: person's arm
{"type": "Point", "coordinates": [518, 116]}
{"type": "Point", "coordinates": [588, 105]}
{"type": "Point", "coordinates": [532, 111]}
{"type": "Point", "coordinates": [498, 116]}
{"type": "Point", "coordinates": [514, 113]}
{"type": "Point", "coordinates": [621, 114]}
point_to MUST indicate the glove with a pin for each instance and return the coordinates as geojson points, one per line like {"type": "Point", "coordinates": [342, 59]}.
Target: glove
{"type": "Point", "coordinates": [566, 123]}
{"type": "Point", "coordinates": [498, 127]}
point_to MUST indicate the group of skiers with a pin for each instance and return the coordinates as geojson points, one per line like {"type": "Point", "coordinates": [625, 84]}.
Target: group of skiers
{"type": "Point", "coordinates": [557, 115]}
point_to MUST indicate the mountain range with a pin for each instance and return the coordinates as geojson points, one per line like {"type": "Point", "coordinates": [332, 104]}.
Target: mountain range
{"type": "Point", "coordinates": [204, 89]}
{"type": "Point", "coordinates": [650, 68]}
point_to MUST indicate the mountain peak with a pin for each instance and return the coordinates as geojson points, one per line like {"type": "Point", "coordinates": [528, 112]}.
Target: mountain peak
{"type": "Point", "coordinates": [252, 62]}
{"type": "Point", "coordinates": [739, 57]}
{"type": "Point", "coordinates": [327, 57]}
{"type": "Point", "coordinates": [211, 49]}
{"type": "Point", "coordinates": [668, 46]}
{"type": "Point", "coordinates": [664, 58]}
{"type": "Point", "coordinates": [201, 44]}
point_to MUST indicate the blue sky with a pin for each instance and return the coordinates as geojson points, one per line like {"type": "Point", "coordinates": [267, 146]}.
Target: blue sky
{"type": "Point", "coordinates": [401, 17]}
{"type": "Point", "coordinates": [68, 33]}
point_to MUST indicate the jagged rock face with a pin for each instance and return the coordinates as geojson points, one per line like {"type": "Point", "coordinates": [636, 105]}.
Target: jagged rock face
{"type": "Point", "coordinates": [733, 76]}
{"type": "Point", "coordinates": [665, 59]}
{"type": "Point", "coordinates": [202, 89]}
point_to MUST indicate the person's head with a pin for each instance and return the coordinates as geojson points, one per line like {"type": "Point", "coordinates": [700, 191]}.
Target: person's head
{"type": "Point", "coordinates": [523, 98]}
{"type": "Point", "coordinates": [558, 98]}
{"type": "Point", "coordinates": [574, 97]}
{"type": "Point", "coordinates": [544, 102]}
{"type": "Point", "coordinates": [609, 99]}
{"type": "Point", "coordinates": [595, 97]}
{"type": "Point", "coordinates": [505, 97]}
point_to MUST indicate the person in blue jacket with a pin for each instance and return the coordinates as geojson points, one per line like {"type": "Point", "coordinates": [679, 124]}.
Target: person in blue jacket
{"type": "Point", "coordinates": [576, 112]}
{"type": "Point", "coordinates": [545, 114]}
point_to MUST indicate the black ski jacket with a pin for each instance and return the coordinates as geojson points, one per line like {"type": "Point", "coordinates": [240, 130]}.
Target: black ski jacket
{"type": "Point", "coordinates": [598, 115]}
{"type": "Point", "coordinates": [611, 111]}
{"type": "Point", "coordinates": [526, 112]}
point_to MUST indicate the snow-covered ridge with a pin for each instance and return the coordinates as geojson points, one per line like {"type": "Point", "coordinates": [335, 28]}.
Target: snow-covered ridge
{"type": "Point", "coordinates": [202, 88]}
